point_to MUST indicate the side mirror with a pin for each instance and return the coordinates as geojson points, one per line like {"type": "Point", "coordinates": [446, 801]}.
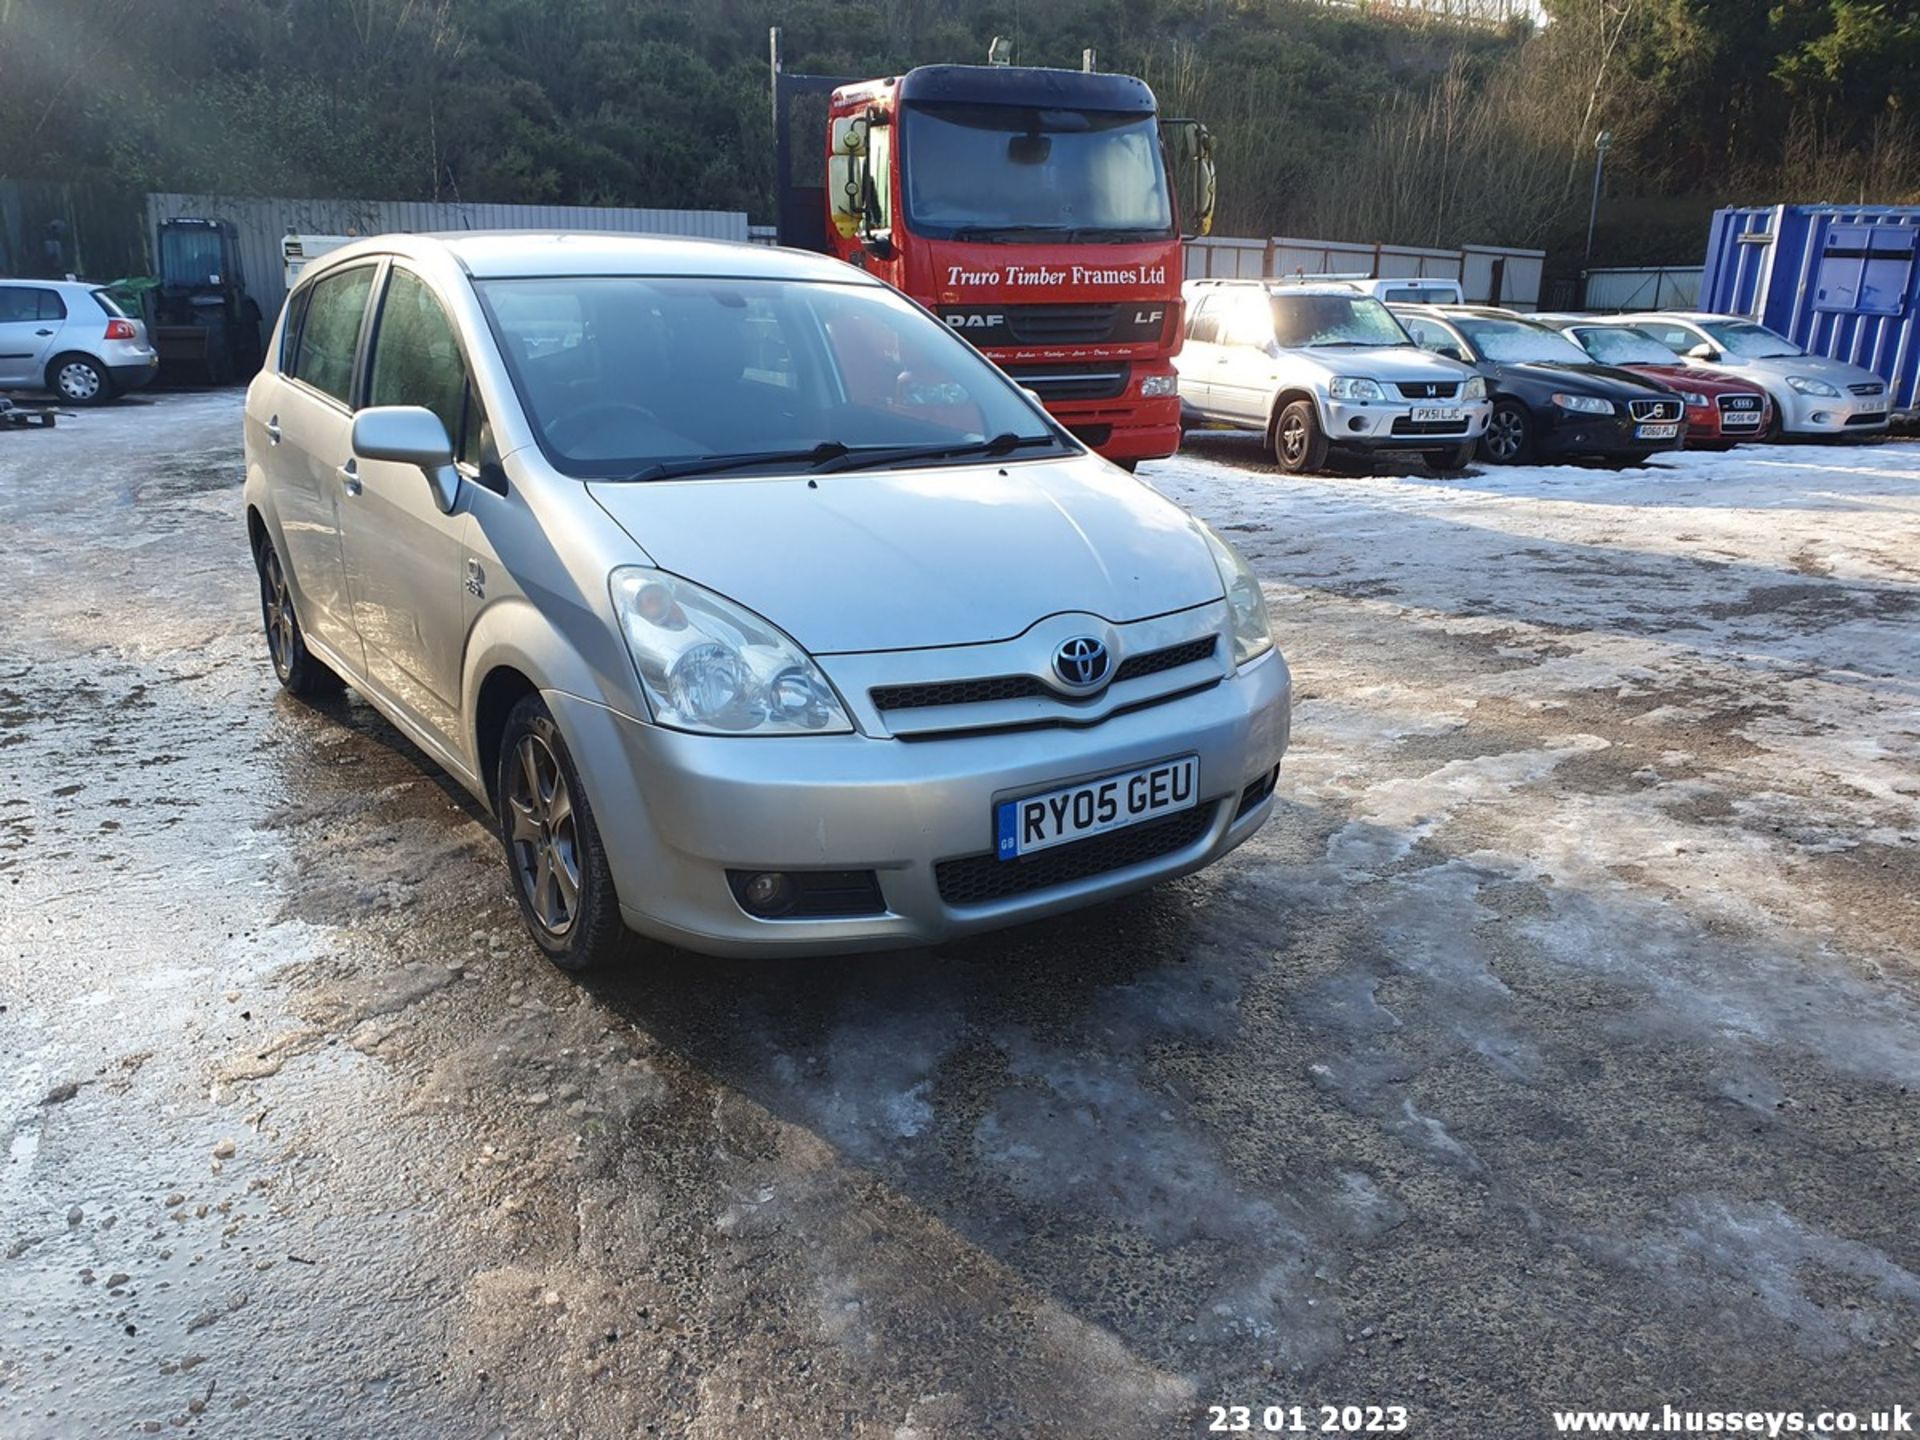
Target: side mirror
{"type": "Point", "coordinates": [1450, 352]}
{"type": "Point", "coordinates": [1189, 148]}
{"type": "Point", "coordinates": [1703, 351]}
{"type": "Point", "coordinates": [410, 435]}
{"type": "Point", "coordinates": [880, 247]}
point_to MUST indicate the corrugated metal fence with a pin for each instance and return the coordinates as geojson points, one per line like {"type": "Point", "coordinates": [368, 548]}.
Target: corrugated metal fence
{"type": "Point", "coordinates": [263, 223]}
{"type": "Point", "coordinates": [1642, 287]}
{"type": "Point", "coordinates": [1488, 274]}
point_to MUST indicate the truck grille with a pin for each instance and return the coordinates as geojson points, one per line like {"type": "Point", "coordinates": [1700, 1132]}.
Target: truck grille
{"type": "Point", "coordinates": [1073, 382]}
{"type": "Point", "coordinates": [1868, 387]}
{"type": "Point", "coordinates": [1428, 389]}
{"type": "Point", "coordinates": [1654, 409]}
{"type": "Point", "coordinates": [1061, 324]}
{"type": "Point", "coordinates": [980, 879]}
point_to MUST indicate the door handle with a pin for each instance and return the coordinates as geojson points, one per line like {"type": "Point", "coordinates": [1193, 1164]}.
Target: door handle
{"type": "Point", "coordinates": [273, 430]}
{"type": "Point", "coordinates": [43, 332]}
{"type": "Point", "coordinates": [349, 474]}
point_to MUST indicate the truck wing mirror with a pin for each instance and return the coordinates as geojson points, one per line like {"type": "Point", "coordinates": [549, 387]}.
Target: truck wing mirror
{"type": "Point", "coordinates": [1189, 147]}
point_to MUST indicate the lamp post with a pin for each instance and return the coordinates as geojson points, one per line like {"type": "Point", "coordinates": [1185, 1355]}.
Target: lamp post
{"type": "Point", "coordinates": [1601, 142]}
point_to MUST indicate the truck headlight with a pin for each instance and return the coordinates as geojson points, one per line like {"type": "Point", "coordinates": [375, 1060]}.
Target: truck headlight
{"type": "Point", "coordinates": [1808, 385]}
{"type": "Point", "coordinates": [1475, 388]}
{"type": "Point", "coordinates": [1349, 387]}
{"type": "Point", "coordinates": [1584, 404]}
{"type": "Point", "coordinates": [710, 666]}
{"type": "Point", "coordinates": [1246, 605]}
{"type": "Point", "coordinates": [1157, 385]}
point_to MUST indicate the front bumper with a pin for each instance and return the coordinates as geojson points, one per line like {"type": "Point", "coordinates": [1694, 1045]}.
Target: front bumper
{"type": "Point", "coordinates": [1826, 415]}
{"type": "Point", "coordinates": [1389, 424]}
{"type": "Point", "coordinates": [1569, 432]}
{"type": "Point", "coordinates": [1127, 427]}
{"type": "Point", "coordinates": [677, 811]}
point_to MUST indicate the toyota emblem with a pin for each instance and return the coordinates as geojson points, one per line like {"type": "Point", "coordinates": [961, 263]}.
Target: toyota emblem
{"type": "Point", "coordinates": [1081, 662]}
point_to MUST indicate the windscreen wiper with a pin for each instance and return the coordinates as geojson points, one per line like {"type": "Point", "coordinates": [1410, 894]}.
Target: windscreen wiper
{"type": "Point", "coordinates": [820, 454]}
{"type": "Point", "coordinates": [1002, 444]}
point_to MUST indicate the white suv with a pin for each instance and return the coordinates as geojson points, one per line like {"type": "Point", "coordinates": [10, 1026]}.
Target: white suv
{"type": "Point", "coordinates": [1320, 367]}
{"type": "Point", "coordinates": [71, 338]}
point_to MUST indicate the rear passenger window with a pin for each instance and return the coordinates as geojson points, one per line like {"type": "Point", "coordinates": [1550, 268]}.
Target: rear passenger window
{"type": "Point", "coordinates": [416, 360]}
{"type": "Point", "coordinates": [1206, 321]}
{"type": "Point", "coordinates": [51, 306]}
{"type": "Point", "coordinates": [331, 331]}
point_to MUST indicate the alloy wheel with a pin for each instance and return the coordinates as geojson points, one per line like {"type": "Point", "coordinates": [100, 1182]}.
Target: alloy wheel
{"type": "Point", "coordinates": [78, 380]}
{"type": "Point", "coordinates": [279, 612]}
{"type": "Point", "coordinates": [546, 856]}
{"type": "Point", "coordinates": [1506, 433]}
{"type": "Point", "coordinates": [1293, 438]}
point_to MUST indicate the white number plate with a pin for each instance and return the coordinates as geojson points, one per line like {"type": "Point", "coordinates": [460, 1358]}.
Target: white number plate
{"type": "Point", "coordinates": [1435, 414]}
{"type": "Point", "coordinates": [1739, 419]}
{"type": "Point", "coordinates": [1058, 817]}
{"type": "Point", "coordinates": [1657, 432]}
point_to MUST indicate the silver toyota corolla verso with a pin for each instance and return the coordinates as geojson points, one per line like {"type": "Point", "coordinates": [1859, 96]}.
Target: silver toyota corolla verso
{"type": "Point", "coordinates": [764, 613]}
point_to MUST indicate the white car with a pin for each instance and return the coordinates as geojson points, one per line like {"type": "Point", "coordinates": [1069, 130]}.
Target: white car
{"type": "Point", "coordinates": [1812, 395]}
{"type": "Point", "coordinates": [71, 338]}
{"type": "Point", "coordinates": [1320, 367]}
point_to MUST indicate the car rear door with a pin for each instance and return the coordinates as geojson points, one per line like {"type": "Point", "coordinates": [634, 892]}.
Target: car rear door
{"type": "Point", "coordinates": [1200, 353]}
{"type": "Point", "coordinates": [30, 320]}
{"type": "Point", "coordinates": [309, 454]}
{"type": "Point", "coordinates": [405, 559]}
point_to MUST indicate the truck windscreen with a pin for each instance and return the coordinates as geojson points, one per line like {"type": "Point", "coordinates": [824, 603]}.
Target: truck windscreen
{"type": "Point", "coordinates": [1013, 174]}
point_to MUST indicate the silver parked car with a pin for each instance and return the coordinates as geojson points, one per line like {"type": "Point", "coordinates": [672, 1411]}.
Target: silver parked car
{"type": "Point", "coordinates": [762, 613]}
{"type": "Point", "coordinates": [71, 338]}
{"type": "Point", "coordinates": [1322, 369]}
{"type": "Point", "coordinates": [1812, 394]}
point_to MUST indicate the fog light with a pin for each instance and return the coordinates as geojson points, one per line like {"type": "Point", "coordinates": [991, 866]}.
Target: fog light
{"type": "Point", "coordinates": [1154, 385]}
{"type": "Point", "coordinates": [1357, 424]}
{"type": "Point", "coordinates": [767, 893]}
{"type": "Point", "coordinates": [1821, 417]}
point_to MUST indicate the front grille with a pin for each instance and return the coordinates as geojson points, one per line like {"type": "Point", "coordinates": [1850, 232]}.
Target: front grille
{"type": "Point", "coordinates": [1429, 389]}
{"type": "Point", "coordinates": [1868, 387]}
{"type": "Point", "coordinates": [1073, 382]}
{"type": "Point", "coordinates": [1871, 417]}
{"type": "Point", "coordinates": [1025, 687]}
{"type": "Point", "coordinates": [1740, 404]}
{"type": "Point", "coordinates": [1654, 409]}
{"type": "Point", "coordinates": [1061, 324]}
{"type": "Point", "coordinates": [820, 894]}
{"type": "Point", "coordinates": [958, 692]}
{"type": "Point", "coordinates": [1404, 426]}
{"type": "Point", "coordinates": [1152, 662]}
{"type": "Point", "coordinates": [1257, 791]}
{"type": "Point", "coordinates": [979, 879]}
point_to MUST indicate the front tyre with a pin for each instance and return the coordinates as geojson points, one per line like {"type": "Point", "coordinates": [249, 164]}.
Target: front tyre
{"type": "Point", "coordinates": [296, 667]}
{"type": "Point", "coordinates": [1299, 444]}
{"type": "Point", "coordinates": [559, 865]}
{"type": "Point", "coordinates": [1509, 437]}
{"type": "Point", "coordinates": [1453, 460]}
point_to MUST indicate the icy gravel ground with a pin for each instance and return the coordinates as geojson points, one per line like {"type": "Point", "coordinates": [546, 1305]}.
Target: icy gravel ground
{"type": "Point", "coordinates": [1556, 1044]}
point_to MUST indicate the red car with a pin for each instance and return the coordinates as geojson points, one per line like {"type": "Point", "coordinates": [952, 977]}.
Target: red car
{"type": "Point", "coordinates": [1721, 411]}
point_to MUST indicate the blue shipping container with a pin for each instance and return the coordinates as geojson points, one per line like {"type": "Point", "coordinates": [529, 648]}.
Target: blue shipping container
{"type": "Point", "coordinates": [1839, 280]}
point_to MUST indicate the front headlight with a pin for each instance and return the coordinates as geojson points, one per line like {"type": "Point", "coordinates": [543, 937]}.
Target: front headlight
{"type": "Point", "coordinates": [1584, 404]}
{"type": "Point", "coordinates": [1695, 399]}
{"type": "Point", "coordinates": [1808, 385]}
{"type": "Point", "coordinates": [709, 666]}
{"type": "Point", "coordinates": [1246, 606]}
{"type": "Point", "coordinates": [1349, 387]}
{"type": "Point", "coordinates": [1155, 385]}
{"type": "Point", "coordinates": [1474, 389]}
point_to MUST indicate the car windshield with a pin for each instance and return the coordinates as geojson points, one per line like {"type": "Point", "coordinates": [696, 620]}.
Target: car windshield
{"type": "Point", "coordinates": [1306, 321]}
{"type": "Point", "coordinates": [1515, 342]}
{"type": "Point", "coordinates": [1623, 345]}
{"type": "Point", "coordinates": [1000, 172]}
{"type": "Point", "coordinates": [1752, 342]}
{"type": "Point", "coordinates": [625, 375]}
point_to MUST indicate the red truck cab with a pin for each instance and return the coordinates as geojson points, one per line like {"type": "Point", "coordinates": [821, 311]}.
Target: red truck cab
{"type": "Point", "coordinates": [1033, 212]}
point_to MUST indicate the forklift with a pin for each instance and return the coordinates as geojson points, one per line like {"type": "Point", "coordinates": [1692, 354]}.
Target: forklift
{"type": "Point", "coordinates": [203, 324]}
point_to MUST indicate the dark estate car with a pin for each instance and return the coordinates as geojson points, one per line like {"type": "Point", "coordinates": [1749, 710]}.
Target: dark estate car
{"type": "Point", "coordinates": [1550, 399]}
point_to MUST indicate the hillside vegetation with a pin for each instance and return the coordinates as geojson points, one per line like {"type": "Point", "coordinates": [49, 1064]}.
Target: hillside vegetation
{"type": "Point", "coordinates": [1329, 122]}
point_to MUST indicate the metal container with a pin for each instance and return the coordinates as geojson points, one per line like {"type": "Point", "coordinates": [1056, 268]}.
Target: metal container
{"type": "Point", "coordinates": [1839, 280]}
